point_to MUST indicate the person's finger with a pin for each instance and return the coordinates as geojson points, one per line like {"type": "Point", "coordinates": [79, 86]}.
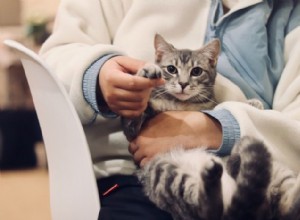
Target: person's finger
{"type": "Point", "coordinates": [138, 157]}
{"type": "Point", "coordinates": [122, 95]}
{"type": "Point", "coordinates": [129, 65]}
{"type": "Point", "coordinates": [132, 148]}
{"type": "Point", "coordinates": [134, 106]}
{"type": "Point", "coordinates": [131, 82]}
{"type": "Point", "coordinates": [144, 161]}
{"type": "Point", "coordinates": [135, 83]}
{"type": "Point", "coordinates": [129, 113]}
{"type": "Point", "coordinates": [142, 153]}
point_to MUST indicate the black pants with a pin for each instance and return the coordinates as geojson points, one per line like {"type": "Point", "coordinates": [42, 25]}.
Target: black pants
{"type": "Point", "coordinates": [122, 198]}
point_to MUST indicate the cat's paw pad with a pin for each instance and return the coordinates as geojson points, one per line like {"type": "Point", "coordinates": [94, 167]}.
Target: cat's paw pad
{"type": "Point", "coordinates": [150, 71]}
{"type": "Point", "coordinates": [213, 170]}
{"type": "Point", "coordinates": [256, 103]}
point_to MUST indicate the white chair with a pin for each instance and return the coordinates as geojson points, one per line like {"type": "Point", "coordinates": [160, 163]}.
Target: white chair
{"type": "Point", "coordinates": [73, 189]}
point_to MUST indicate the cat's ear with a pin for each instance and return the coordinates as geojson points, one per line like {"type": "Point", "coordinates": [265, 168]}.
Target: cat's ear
{"type": "Point", "coordinates": [161, 47]}
{"type": "Point", "coordinates": [212, 51]}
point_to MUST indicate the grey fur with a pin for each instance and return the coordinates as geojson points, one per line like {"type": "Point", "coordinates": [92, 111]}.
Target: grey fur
{"type": "Point", "coordinates": [190, 87]}
{"type": "Point", "coordinates": [195, 184]}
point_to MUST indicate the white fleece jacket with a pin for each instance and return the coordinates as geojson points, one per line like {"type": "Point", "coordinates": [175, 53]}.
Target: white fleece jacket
{"type": "Point", "coordinates": [88, 30]}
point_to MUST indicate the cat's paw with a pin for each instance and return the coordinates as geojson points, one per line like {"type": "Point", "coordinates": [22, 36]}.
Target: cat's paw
{"type": "Point", "coordinates": [256, 103]}
{"type": "Point", "coordinates": [150, 71]}
{"type": "Point", "coordinates": [244, 143]}
{"type": "Point", "coordinates": [213, 171]}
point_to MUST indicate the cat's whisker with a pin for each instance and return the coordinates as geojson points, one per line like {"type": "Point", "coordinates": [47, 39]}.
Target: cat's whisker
{"type": "Point", "coordinates": [206, 98]}
{"type": "Point", "coordinates": [159, 93]}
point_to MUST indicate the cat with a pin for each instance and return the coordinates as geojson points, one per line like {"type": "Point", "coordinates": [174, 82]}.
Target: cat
{"type": "Point", "coordinates": [189, 81]}
{"type": "Point", "coordinates": [195, 184]}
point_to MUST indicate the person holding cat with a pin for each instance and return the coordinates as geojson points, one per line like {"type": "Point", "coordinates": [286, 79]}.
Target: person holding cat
{"type": "Point", "coordinates": [97, 47]}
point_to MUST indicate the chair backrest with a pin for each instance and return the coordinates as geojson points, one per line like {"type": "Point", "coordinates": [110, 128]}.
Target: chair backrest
{"type": "Point", "coordinates": [73, 189]}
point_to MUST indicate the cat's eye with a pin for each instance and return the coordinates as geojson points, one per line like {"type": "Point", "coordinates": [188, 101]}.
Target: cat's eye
{"type": "Point", "coordinates": [171, 69]}
{"type": "Point", "coordinates": [196, 71]}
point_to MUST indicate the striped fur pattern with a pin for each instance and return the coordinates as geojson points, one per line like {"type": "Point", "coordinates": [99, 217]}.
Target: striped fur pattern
{"type": "Point", "coordinates": [189, 81]}
{"type": "Point", "coordinates": [196, 185]}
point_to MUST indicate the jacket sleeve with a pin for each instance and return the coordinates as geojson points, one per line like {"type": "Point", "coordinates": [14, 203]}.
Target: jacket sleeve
{"type": "Point", "coordinates": [83, 32]}
{"type": "Point", "coordinates": [279, 128]}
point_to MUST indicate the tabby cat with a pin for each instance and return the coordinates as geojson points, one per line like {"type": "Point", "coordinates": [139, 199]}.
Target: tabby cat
{"type": "Point", "coordinates": [195, 184]}
{"type": "Point", "coordinates": [189, 81]}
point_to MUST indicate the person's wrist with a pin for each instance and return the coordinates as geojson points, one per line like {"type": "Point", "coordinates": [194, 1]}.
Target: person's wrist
{"type": "Point", "coordinates": [207, 131]}
{"type": "Point", "coordinates": [102, 105]}
{"type": "Point", "coordinates": [213, 133]}
{"type": "Point", "coordinates": [91, 88]}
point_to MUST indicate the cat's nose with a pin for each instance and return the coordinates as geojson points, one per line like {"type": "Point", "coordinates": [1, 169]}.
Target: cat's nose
{"type": "Point", "coordinates": [183, 85]}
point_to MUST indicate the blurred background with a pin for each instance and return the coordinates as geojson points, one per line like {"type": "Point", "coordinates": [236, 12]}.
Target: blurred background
{"type": "Point", "coordinates": [24, 192]}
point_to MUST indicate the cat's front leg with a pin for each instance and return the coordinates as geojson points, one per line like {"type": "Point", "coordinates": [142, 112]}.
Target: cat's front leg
{"type": "Point", "coordinates": [150, 71]}
{"type": "Point", "coordinates": [132, 127]}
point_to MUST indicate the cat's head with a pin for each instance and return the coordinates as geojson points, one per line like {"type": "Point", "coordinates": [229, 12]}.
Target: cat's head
{"type": "Point", "coordinates": [189, 74]}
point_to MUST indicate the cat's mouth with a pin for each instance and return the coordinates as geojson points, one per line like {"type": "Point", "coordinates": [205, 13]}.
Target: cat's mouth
{"type": "Point", "coordinates": [182, 96]}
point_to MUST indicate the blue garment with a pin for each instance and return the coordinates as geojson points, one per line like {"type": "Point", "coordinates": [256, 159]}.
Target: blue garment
{"type": "Point", "coordinates": [252, 44]}
{"type": "Point", "coordinates": [89, 83]}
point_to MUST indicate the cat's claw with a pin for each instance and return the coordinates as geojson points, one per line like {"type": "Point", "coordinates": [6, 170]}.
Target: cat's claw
{"type": "Point", "coordinates": [150, 71]}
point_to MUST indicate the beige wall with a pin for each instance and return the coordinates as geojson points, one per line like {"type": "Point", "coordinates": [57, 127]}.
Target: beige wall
{"type": "Point", "coordinates": [14, 12]}
{"type": "Point", "coordinates": [38, 8]}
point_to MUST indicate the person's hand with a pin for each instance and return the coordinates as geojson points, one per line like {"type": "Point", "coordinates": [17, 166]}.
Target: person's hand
{"type": "Point", "coordinates": [172, 129]}
{"type": "Point", "coordinates": [125, 94]}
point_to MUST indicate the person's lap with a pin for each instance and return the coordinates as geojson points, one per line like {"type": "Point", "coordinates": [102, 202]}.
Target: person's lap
{"type": "Point", "coordinates": [122, 198]}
